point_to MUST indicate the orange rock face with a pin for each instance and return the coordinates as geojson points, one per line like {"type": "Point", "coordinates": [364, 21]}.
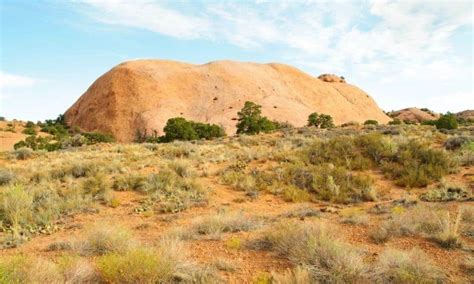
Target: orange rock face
{"type": "Point", "coordinates": [144, 94]}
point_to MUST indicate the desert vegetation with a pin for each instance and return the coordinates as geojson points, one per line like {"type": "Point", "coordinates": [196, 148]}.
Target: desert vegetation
{"type": "Point", "coordinates": [358, 203]}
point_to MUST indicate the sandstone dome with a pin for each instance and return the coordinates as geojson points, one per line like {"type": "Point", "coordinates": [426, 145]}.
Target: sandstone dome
{"type": "Point", "coordinates": [144, 94]}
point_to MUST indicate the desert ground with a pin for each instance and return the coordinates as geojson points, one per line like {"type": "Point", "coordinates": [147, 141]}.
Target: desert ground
{"type": "Point", "coordinates": [354, 204]}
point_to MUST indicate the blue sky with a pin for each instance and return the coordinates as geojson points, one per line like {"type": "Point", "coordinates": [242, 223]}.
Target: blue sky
{"type": "Point", "coordinates": [403, 53]}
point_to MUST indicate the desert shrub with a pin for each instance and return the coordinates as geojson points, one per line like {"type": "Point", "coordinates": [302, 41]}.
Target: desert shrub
{"type": "Point", "coordinates": [23, 269]}
{"type": "Point", "coordinates": [96, 186]}
{"type": "Point", "coordinates": [22, 153]}
{"type": "Point", "coordinates": [164, 264]}
{"type": "Point", "coordinates": [445, 192]}
{"type": "Point", "coordinates": [15, 206]}
{"type": "Point", "coordinates": [435, 225]}
{"type": "Point", "coordinates": [251, 121]}
{"type": "Point", "coordinates": [59, 246]}
{"type": "Point", "coordinates": [97, 137]}
{"type": "Point", "coordinates": [139, 265]}
{"type": "Point", "coordinates": [449, 236]}
{"type": "Point", "coordinates": [39, 143]}
{"type": "Point", "coordinates": [134, 182]}
{"type": "Point", "coordinates": [183, 168]}
{"type": "Point", "coordinates": [379, 235]}
{"type": "Point", "coordinates": [456, 142]}
{"type": "Point", "coordinates": [447, 121]}
{"type": "Point", "coordinates": [105, 238]}
{"type": "Point", "coordinates": [297, 275]}
{"type": "Point", "coordinates": [338, 185]}
{"type": "Point", "coordinates": [416, 164]}
{"type": "Point", "coordinates": [354, 216]}
{"type": "Point", "coordinates": [376, 147]}
{"type": "Point", "coordinates": [395, 121]}
{"type": "Point", "coordinates": [394, 266]}
{"type": "Point", "coordinates": [29, 131]}
{"type": "Point", "coordinates": [2, 118]}
{"type": "Point", "coordinates": [371, 122]}
{"type": "Point", "coordinates": [295, 194]}
{"type": "Point", "coordinates": [77, 270]}
{"type": "Point", "coordinates": [214, 225]}
{"type": "Point", "coordinates": [340, 151]}
{"type": "Point", "coordinates": [302, 212]}
{"type": "Point", "coordinates": [6, 176]}
{"type": "Point", "coordinates": [327, 258]}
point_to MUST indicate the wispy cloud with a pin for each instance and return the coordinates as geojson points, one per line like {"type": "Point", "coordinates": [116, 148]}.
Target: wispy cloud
{"type": "Point", "coordinates": [404, 40]}
{"type": "Point", "coordinates": [15, 81]}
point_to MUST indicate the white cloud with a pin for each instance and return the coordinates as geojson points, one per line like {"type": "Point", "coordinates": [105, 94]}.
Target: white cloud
{"type": "Point", "coordinates": [404, 41]}
{"type": "Point", "coordinates": [15, 81]}
{"type": "Point", "coordinates": [147, 15]}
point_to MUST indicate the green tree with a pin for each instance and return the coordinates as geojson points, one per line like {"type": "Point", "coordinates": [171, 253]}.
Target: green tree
{"type": "Point", "coordinates": [314, 120]}
{"type": "Point", "coordinates": [251, 120]}
{"type": "Point", "coordinates": [447, 121]}
{"type": "Point", "coordinates": [326, 121]}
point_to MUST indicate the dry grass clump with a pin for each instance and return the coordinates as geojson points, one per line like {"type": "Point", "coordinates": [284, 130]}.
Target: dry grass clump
{"type": "Point", "coordinates": [297, 275]}
{"type": "Point", "coordinates": [6, 176]}
{"type": "Point", "coordinates": [167, 263]}
{"type": "Point", "coordinates": [433, 224]}
{"type": "Point", "coordinates": [22, 153]}
{"type": "Point", "coordinates": [23, 269]}
{"type": "Point", "coordinates": [354, 216]}
{"type": "Point", "coordinates": [301, 212]}
{"type": "Point", "coordinates": [104, 238]}
{"type": "Point", "coordinates": [326, 257]}
{"type": "Point", "coordinates": [214, 225]}
{"type": "Point", "coordinates": [394, 266]}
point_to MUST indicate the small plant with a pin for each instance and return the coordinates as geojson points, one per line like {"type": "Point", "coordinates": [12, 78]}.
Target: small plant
{"type": "Point", "coordinates": [327, 258]}
{"type": "Point", "coordinates": [446, 192]}
{"type": "Point", "coordinates": [449, 237]}
{"type": "Point", "coordinates": [456, 142]}
{"type": "Point", "coordinates": [213, 226]}
{"type": "Point", "coordinates": [413, 266]}
{"type": "Point", "coordinates": [23, 153]}
{"type": "Point", "coordinates": [103, 238]}
{"type": "Point", "coordinates": [6, 176]}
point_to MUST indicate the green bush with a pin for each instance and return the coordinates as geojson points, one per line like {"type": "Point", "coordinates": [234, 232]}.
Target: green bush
{"type": "Point", "coordinates": [97, 137]}
{"type": "Point", "coordinates": [29, 131]}
{"type": "Point", "coordinates": [371, 122]}
{"type": "Point", "coordinates": [447, 121]}
{"type": "Point", "coordinates": [29, 124]}
{"type": "Point", "coordinates": [179, 128]}
{"type": "Point", "coordinates": [395, 121]}
{"type": "Point", "coordinates": [416, 165]}
{"type": "Point", "coordinates": [251, 120]}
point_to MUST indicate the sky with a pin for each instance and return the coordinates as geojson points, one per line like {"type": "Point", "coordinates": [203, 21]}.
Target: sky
{"type": "Point", "coordinates": [402, 53]}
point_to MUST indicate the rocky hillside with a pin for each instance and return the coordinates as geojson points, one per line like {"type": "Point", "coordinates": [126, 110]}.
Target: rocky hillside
{"type": "Point", "coordinates": [144, 94]}
{"type": "Point", "coordinates": [414, 115]}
